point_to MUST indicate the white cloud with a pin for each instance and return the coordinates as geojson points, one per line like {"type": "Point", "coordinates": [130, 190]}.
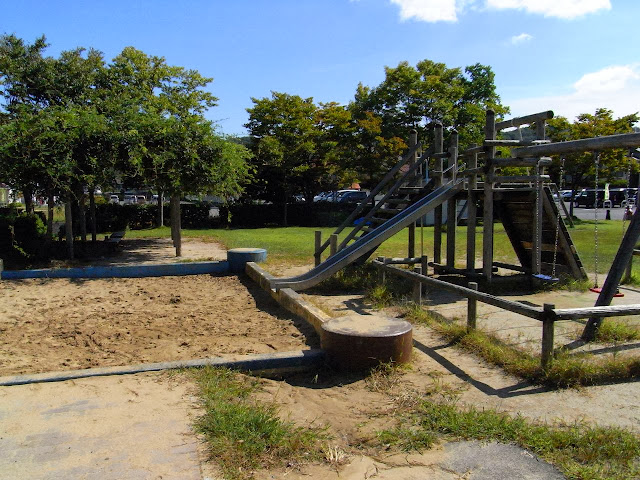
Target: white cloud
{"type": "Point", "coordinates": [553, 8]}
{"type": "Point", "coordinates": [427, 10]}
{"type": "Point", "coordinates": [616, 87]}
{"type": "Point", "coordinates": [522, 38]}
{"type": "Point", "coordinates": [447, 10]}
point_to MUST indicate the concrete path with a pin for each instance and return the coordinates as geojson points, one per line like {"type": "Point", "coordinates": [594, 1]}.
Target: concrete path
{"type": "Point", "coordinates": [108, 428]}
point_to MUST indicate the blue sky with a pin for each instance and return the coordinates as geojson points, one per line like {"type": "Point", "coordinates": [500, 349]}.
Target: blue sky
{"type": "Point", "coordinates": [570, 56]}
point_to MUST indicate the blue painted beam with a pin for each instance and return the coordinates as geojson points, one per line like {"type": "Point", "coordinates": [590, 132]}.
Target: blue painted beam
{"type": "Point", "coordinates": [124, 271]}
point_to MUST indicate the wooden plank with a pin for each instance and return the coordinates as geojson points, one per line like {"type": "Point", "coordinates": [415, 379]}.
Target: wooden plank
{"type": "Point", "coordinates": [472, 308]}
{"type": "Point", "coordinates": [524, 120]}
{"type": "Point", "coordinates": [438, 140]}
{"type": "Point", "coordinates": [520, 308]}
{"type": "Point", "coordinates": [623, 256]}
{"type": "Point", "coordinates": [624, 140]}
{"type": "Point", "coordinates": [487, 213]}
{"type": "Point", "coordinates": [600, 312]}
{"type": "Point", "coordinates": [547, 335]}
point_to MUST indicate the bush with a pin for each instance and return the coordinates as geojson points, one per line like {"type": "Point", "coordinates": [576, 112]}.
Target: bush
{"type": "Point", "coordinates": [29, 233]}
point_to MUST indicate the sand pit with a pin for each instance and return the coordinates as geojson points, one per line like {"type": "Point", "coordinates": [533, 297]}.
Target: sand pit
{"type": "Point", "coordinates": [60, 324]}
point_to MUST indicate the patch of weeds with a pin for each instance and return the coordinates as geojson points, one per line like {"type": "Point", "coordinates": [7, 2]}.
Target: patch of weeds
{"type": "Point", "coordinates": [611, 331]}
{"type": "Point", "coordinates": [380, 296]}
{"type": "Point", "coordinates": [385, 377]}
{"type": "Point", "coordinates": [350, 278]}
{"type": "Point", "coordinates": [634, 280]}
{"type": "Point", "coordinates": [565, 370]}
{"type": "Point", "coordinates": [244, 435]}
{"type": "Point", "coordinates": [580, 451]}
{"type": "Point", "coordinates": [575, 285]}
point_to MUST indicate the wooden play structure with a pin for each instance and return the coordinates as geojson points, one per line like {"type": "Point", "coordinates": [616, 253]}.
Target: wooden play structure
{"type": "Point", "coordinates": [436, 181]}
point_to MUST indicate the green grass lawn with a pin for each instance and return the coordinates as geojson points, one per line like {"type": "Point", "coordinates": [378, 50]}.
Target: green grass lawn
{"type": "Point", "coordinates": [294, 245]}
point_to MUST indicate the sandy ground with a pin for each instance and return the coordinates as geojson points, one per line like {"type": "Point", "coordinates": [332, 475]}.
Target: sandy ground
{"type": "Point", "coordinates": [62, 324]}
{"type": "Point", "coordinates": [138, 426]}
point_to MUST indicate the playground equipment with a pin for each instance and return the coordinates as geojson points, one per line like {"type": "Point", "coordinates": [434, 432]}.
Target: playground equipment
{"type": "Point", "coordinates": [538, 235]}
{"type": "Point", "coordinates": [410, 190]}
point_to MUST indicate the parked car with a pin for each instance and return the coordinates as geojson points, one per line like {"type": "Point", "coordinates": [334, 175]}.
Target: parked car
{"type": "Point", "coordinates": [114, 199]}
{"type": "Point", "coordinates": [353, 197]}
{"type": "Point", "coordinates": [587, 198]}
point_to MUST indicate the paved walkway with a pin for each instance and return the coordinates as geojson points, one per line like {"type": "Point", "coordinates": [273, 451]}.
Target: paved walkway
{"type": "Point", "coordinates": [107, 428]}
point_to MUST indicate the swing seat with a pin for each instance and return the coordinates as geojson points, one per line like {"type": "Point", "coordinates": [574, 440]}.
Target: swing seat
{"type": "Point", "coordinates": [598, 290]}
{"type": "Point", "coordinates": [545, 278]}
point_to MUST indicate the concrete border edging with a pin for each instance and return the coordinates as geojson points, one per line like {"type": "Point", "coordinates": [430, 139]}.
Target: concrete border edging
{"type": "Point", "coordinates": [288, 298]}
{"type": "Point", "coordinates": [124, 271]}
{"type": "Point", "coordinates": [269, 363]}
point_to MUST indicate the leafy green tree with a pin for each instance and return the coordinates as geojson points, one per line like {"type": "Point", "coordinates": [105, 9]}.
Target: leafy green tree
{"type": "Point", "coordinates": [165, 140]}
{"type": "Point", "coordinates": [412, 97]}
{"type": "Point", "coordinates": [580, 167]}
{"type": "Point", "coordinates": [285, 136]}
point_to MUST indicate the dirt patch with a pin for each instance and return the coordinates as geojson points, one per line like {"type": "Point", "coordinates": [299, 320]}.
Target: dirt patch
{"type": "Point", "coordinates": [63, 324]}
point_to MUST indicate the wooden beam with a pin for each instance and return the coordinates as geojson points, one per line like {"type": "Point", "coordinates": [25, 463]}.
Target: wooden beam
{"type": "Point", "coordinates": [487, 214]}
{"type": "Point", "coordinates": [438, 145]}
{"type": "Point", "coordinates": [600, 312]}
{"type": "Point", "coordinates": [525, 120]}
{"type": "Point", "coordinates": [620, 262]}
{"type": "Point", "coordinates": [520, 308]}
{"type": "Point", "coordinates": [624, 140]}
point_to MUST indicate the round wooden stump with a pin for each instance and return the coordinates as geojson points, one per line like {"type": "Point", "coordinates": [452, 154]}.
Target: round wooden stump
{"type": "Point", "coordinates": [238, 257]}
{"type": "Point", "coordinates": [359, 342]}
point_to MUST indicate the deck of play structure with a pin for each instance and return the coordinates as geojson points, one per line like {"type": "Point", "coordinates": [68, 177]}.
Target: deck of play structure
{"type": "Point", "coordinates": [431, 180]}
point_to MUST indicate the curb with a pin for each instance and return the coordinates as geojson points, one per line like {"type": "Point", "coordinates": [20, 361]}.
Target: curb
{"type": "Point", "coordinates": [269, 363]}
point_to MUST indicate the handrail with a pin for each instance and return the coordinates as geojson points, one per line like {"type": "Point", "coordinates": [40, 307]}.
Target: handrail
{"type": "Point", "coordinates": [378, 206]}
{"type": "Point", "coordinates": [387, 178]}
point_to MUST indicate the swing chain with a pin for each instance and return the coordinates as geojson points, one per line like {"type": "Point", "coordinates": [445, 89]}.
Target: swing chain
{"type": "Point", "coordinates": [555, 247]}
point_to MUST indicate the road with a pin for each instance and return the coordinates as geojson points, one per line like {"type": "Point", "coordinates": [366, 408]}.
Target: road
{"type": "Point", "coordinates": [590, 213]}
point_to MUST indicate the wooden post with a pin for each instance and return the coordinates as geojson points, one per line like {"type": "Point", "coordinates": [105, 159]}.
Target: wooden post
{"type": "Point", "coordinates": [68, 227]}
{"type": "Point", "coordinates": [417, 286]}
{"type": "Point", "coordinates": [620, 262]}
{"type": "Point", "coordinates": [472, 308]}
{"type": "Point", "coordinates": [451, 203]}
{"type": "Point", "coordinates": [382, 274]}
{"type": "Point", "coordinates": [411, 247]}
{"type": "Point", "coordinates": [438, 143]}
{"type": "Point", "coordinates": [547, 335]}
{"type": "Point", "coordinates": [424, 264]}
{"type": "Point", "coordinates": [487, 214]}
{"type": "Point", "coordinates": [333, 244]}
{"type": "Point", "coordinates": [471, 215]}
{"type": "Point", "coordinates": [318, 243]}
{"type": "Point", "coordinates": [627, 273]}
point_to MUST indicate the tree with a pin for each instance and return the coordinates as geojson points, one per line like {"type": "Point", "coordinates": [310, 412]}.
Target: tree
{"type": "Point", "coordinates": [580, 167]}
{"type": "Point", "coordinates": [166, 140]}
{"type": "Point", "coordinates": [285, 136]}
{"type": "Point", "coordinates": [413, 97]}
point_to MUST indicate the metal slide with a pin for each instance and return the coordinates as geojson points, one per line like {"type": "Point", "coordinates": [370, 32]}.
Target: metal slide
{"type": "Point", "coordinates": [371, 240]}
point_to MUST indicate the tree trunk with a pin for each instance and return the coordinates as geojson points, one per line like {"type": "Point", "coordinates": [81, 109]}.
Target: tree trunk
{"type": "Point", "coordinates": [92, 214]}
{"type": "Point", "coordinates": [27, 193]}
{"type": "Point", "coordinates": [172, 221]}
{"type": "Point", "coordinates": [175, 223]}
{"type": "Point", "coordinates": [68, 232]}
{"type": "Point", "coordinates": [50, 213]}
{"type": "Point", "coordinates": [285, 212]}
{"type": "Point", "coordinates": [82, 217]}
{"type": "Point", "coordinates": [160, 208]}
